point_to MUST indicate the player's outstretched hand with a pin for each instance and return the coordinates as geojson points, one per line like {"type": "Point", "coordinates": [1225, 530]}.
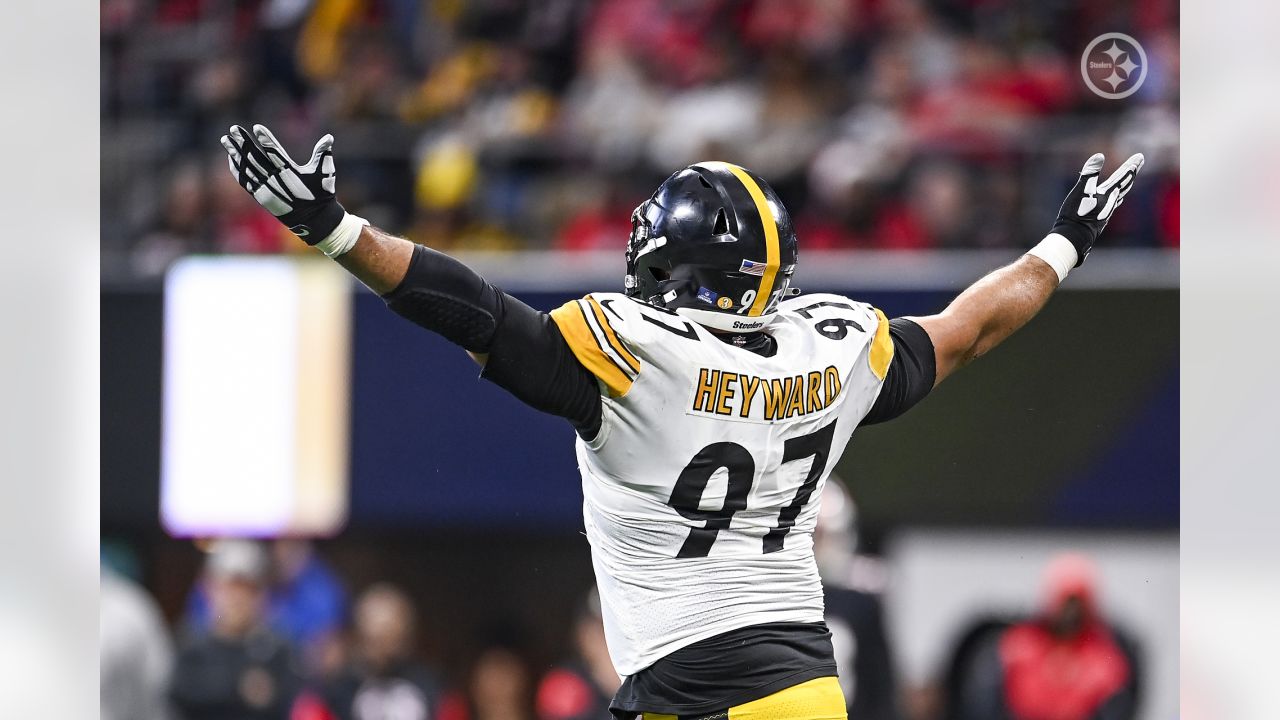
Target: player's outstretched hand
{"type": "Point", "coordinates": [300, 196]}
{"type": "Point", "coordinates": [1091, 204]}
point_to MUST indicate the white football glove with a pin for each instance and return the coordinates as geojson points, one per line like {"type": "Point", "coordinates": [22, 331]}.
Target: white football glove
{"type": "Point", "coordinates": [300, 196]}
{"type": "Point", "coordinates": [1090, 204]}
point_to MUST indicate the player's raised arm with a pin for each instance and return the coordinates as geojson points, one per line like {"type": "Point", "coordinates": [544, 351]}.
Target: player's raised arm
{"type": "Point", "coordinates": [991, 309]}
{"type": "Point", "coordinates": [522, 349]}
{"type": "Point", "coordinates": [302, 197]}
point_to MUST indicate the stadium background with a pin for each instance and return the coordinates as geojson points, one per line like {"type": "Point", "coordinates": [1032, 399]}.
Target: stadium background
{"type": "Point", "coordinates": [917, 144]}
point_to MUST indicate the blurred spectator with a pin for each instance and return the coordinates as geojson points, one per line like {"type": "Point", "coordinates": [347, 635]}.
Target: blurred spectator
{"type": "Point", "coordinates": [182, 224]}
{"type": "Point", "coordinates": [498, 688]}
{"type": "Point", "coordinates": [603, 222]}
{"type": "Point", "coordinates": [239, 225]}
{"type": "Point", "coordinates": [851, 586]}
{"type": "Point", "coordinates": [135, 655]}
{"type": "Point", "coordinates": [384, 681]}
{"type": "Point", "coordinates": [581, 688]}
{"type": "Point", "coordinates": [1064, 663]}
{"type": "Point", "coordinates": [611, 108]}
{"type": "Point", "coordinates": [939, 206]}
{"type": "Point", "coordinates": [236, 669]}
{"type": "Point", "coordinates": [306, 603]}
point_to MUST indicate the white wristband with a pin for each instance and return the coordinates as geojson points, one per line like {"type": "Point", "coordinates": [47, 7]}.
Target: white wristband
{"type": "Point", "coordinates": [1058, 252]}
{"type": "Point", "coordinates": [343, 237]}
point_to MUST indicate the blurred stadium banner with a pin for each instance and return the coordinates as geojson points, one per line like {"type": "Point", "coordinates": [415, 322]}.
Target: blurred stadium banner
{"type": "Point", "coordinates": [256, 397]}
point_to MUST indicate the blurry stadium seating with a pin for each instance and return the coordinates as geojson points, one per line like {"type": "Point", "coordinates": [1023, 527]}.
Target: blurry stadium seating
{"type": "Point", "coordinates": [499, 125]}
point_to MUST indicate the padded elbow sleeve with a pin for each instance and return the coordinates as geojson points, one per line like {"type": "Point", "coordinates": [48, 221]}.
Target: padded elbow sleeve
{"type": "Point", "coordinates": [448, 298]}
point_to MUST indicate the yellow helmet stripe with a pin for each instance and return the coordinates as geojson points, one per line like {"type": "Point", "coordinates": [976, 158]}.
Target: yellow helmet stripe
{"type": "Point", "coordinates": [773, 253]}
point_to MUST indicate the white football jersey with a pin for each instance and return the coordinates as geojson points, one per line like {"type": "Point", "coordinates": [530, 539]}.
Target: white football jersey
{"type": "Point", "coordinates": [701, 488]}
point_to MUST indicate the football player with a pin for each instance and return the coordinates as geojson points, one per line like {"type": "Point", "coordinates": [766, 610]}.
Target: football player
{"type": "Point", "coordinates": [710, 399]}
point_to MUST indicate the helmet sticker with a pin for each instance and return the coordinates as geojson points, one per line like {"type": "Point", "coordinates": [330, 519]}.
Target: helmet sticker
{"type": "Point", "coordinates": [706, 295]}
{"type": "Point", "coordinates": [724, 303]}
{"type": "Point", "coordinates": [752, 267]}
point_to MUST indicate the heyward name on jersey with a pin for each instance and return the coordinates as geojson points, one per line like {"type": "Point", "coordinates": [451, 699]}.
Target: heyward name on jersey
{"type": "Point", "coordinates": [732, 394]}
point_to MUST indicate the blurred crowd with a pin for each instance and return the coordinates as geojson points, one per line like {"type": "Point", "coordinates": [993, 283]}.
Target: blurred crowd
{"type": "Point", "coordinates": [505, 124]}
{"type": "Point", "coordinates": [268, 633]}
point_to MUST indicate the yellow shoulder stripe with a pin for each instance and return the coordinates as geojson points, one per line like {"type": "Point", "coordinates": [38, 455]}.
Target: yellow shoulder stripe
{"type": "Point", "coordinates": [571, 318]}
{"type": "Point", "coordinates": [881, 347]}
{"type": "Point", "coordinates": [612, 337]}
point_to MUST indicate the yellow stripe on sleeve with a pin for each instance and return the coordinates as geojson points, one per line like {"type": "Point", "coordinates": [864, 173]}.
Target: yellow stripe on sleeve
{"type": "Point", "coordinates": [881, 347]}
{"type": "Point", "coordinates": [614, 342]}
{"type": "Point", "coordinates": [572, 321]}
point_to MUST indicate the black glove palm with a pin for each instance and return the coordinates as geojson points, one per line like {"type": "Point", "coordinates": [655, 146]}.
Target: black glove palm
{"type": "Point", "coordinates": [1090, 204]}
{"type": "Point", "coordinates": [300, 196]}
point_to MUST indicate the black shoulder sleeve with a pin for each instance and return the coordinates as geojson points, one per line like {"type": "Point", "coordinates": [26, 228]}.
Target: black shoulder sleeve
{"type": "Point", "coordinates": [911, 372]}
{"type": "Point", "coordinates": [527, 354]}
{"type": "Point", "coordinates": [530, 358]}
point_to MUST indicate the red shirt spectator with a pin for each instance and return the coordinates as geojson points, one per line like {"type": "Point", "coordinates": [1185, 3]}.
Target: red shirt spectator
{"type": "Point", "coordinates": [1064, 664]}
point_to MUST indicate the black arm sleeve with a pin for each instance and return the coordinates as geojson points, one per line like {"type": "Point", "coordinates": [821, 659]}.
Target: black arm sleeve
{"type": "Point", "coordinates": [911, 372]}
{"type": "Point", "coordinates": [527, 354]}
{"type": "Point", "coordinates": [530, 358]}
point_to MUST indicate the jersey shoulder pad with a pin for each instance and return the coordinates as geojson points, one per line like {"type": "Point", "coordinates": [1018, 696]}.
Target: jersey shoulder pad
{"type": "Point", "coordinates": [870, 320]}
{"type": "Point", "coordinates": [596, 327]}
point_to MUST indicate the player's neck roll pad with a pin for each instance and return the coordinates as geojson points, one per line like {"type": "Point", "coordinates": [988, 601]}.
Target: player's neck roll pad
{"type": "Point", "coordinates": [446, 297]}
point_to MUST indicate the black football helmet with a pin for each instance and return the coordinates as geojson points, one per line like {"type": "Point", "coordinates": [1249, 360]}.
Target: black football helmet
{"type": "Point", "coordinates": [715, 244]}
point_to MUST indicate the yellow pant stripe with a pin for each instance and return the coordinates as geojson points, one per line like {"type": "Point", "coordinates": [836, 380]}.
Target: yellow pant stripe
{"type": "Point", "coordinates": [818, 699]}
